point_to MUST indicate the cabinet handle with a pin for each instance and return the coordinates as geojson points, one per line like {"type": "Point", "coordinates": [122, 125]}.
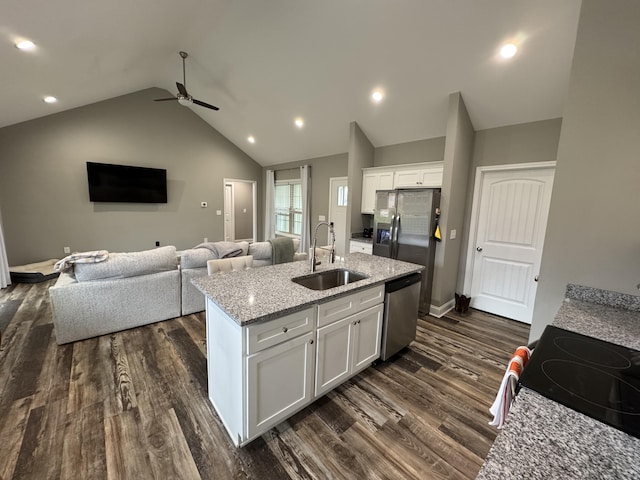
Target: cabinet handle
{"type": "Point", "coordinates": [285, 329]}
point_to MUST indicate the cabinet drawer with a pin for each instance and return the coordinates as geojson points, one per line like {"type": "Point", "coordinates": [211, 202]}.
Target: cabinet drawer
{"type": "Point", "coordinates": [343, 307]}
{"type": "Point", "coordinates": [273, 332]}
{"type": "Point", "coordinates": [355, 246]}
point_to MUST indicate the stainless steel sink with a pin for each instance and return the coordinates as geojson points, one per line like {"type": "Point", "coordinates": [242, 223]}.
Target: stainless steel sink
{"type": "Point", "coordinates": [329, 279]}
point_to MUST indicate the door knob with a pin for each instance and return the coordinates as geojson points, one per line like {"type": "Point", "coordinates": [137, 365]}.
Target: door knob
{"type": "Point", "coordinates": [535, 279]}
{"type": "Point", "coordinates": [479, 249]}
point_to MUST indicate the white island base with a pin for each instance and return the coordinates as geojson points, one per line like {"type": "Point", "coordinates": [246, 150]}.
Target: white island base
{"type": "Point", "coordinates": [262, 373]}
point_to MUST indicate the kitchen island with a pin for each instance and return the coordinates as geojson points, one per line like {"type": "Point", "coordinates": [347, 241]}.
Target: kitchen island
{"type": "Point", "coordinates": [546, 440]}
{"type": "Point", "coordinates": [274, 346]}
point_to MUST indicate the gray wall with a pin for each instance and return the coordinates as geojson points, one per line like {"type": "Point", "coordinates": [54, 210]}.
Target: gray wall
{"type": "Point", "coordinates": [322, 169]}
{"type": "Point", "coordinates": [429, 150]}
{"type": "Point", "coordinates": [43, 185]}
{"type": "Point", "coordinates": [361, 154]}
{"type": "Point", "coordinates": [523, 143]}
{"type": "Point", "coordinates": [458, 155]}
{"type": "Point", "coordinates": [593, 234]}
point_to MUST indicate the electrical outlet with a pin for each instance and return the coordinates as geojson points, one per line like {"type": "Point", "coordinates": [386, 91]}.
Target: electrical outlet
{"type": "Point", "coordinates": [206, 239]}
{"type": "Point", "coordinates": [157, 244]}
{"type": "Point", "coordinates": [67, 250]}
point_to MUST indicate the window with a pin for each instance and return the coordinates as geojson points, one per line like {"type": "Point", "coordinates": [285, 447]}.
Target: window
{"type": "Point", "coordinates": [288, 207]}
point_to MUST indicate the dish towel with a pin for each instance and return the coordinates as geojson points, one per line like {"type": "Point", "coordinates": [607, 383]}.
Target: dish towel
{"type": "Point", "coordinates": [507, 391]}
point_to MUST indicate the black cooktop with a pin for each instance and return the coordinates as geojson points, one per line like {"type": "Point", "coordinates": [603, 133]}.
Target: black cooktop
{"type": "Point", "coordinates": [594, 377]}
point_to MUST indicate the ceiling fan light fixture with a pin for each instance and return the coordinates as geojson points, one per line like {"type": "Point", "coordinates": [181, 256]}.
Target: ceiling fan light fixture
{"type": "Point", "coordinates": [184, 101]}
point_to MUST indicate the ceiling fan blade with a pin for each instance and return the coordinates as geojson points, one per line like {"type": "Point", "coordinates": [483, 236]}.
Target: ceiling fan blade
{"type": "Point", "coordinates": [203, 104]}
{"type": "Point", "coordinates": [182, 89]}
{"type": "Point", "coordinates": [164, 99]}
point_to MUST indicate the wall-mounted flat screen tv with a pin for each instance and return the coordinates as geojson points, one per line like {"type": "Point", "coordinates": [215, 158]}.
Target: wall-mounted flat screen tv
{"type": "Point", "coordinates": [125, 183]}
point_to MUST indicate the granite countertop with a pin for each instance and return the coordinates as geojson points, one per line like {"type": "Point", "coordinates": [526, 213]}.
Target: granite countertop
{"type": "Point", "coordinates": [546, 440]}
{"type": "Point", "coordinates": [261, 294]}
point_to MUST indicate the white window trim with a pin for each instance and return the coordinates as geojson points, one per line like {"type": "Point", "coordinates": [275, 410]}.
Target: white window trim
{"type": "Point", "coordinates": [279, 233]}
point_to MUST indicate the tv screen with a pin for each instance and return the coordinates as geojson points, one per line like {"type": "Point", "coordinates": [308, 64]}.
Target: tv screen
{"type": "Point", "coordinates": [124, 183]}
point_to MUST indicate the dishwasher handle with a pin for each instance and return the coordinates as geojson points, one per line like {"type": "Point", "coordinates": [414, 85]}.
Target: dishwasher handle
{"type": "Point", "coordinates": [400, 283]}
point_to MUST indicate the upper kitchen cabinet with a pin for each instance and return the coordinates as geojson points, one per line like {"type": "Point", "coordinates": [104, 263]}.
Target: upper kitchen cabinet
{"type": "Point", "coordinates": [419, 175]}
{"type": "Point", "coordinates": [374, 179]}
{"type": "Point", "coordinates": [415, 175]}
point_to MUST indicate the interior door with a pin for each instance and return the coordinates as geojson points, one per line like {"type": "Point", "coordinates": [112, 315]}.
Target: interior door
{"type": "Point", "coordinates": [513, 207]}
{"type": "Point", "coordinates": [338, 212]}
{"type": "Point", "coordinates": [229, 227]}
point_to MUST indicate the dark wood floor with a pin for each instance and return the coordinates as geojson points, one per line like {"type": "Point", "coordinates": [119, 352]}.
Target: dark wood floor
{"type": "Point", "coordinates": [134, 405]}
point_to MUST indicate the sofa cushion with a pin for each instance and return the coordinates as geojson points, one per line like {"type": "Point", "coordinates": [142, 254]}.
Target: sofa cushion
{"type": "Point", "coordinates": [123, 265]}
{"type": "Point", "coordinates": [198, 257]}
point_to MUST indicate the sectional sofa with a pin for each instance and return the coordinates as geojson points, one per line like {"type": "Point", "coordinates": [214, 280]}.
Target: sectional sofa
{"type": "Point", "coordinates": [133, 289]}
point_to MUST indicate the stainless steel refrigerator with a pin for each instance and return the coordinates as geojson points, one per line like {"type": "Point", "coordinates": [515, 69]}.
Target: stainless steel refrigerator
{"type": "Point", "coordinates": [404, 223]}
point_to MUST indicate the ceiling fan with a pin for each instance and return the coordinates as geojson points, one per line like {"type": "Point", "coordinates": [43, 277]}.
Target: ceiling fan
{"type": "Point", "coordinates": [183, 96]}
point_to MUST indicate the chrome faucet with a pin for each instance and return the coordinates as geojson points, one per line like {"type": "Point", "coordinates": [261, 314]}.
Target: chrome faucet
{"type": "Point", "coordinates": [332, 254]}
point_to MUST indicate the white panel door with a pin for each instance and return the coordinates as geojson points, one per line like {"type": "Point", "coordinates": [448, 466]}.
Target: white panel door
{"type": "Point", "coordinates": [229, 211]}
{"type": "Point", "coordinates": [279, 382]}
{"type": "Point", "coordinates": [366, 341]}
{"type": "Point", "coordinates": [333, 355]}
{"type": "Point", "coordinates": [338, 212]}
{"type": "Point", "coordinates": [512, 219]}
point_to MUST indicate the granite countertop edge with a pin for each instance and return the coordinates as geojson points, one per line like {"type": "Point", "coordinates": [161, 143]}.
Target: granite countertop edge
{"type": "Point", "coordinates": [544, 439]}
{"type": "Point", "coordinates": [262, 294]}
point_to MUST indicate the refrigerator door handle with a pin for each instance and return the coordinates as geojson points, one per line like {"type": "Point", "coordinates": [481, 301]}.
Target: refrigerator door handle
{"type": "Point", "coordinates": [394, 243]}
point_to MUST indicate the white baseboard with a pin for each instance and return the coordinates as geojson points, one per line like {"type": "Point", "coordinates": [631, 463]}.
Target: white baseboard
{"type": "Point", "coordinates": [443, 309]}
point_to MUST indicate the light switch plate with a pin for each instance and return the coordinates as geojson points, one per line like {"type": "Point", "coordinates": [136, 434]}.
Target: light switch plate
{"type": "Point", "coordinates": [452, 234]}
{"type": "Point", "coordinates": [218, 212]}
{"type": "Point", "coordinates": [322, 218]}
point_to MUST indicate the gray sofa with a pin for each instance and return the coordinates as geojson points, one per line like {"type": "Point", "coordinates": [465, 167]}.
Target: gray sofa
{"type": "Point", "coordinates": [125, 291]}
{"type": "Point", "coordinates": [193, 264]}
{"type": "Point", "coordinates": [133, 289]}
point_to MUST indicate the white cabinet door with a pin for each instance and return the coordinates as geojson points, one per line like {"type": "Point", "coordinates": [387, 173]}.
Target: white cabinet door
{"type": "Point", "coordinates": [366, 340]}
{"type": "Point", "coordinates": [419, 177]}
{"type": "Point", "coordinates": [372, 181]}
{"type": "Point", "coordinates": [408, 178]}
{"type": "Point", "coordinates": [279, 382]}
{"type": "Point", "coordinates": [347, 347]}
{"type": "Point", "coordinates": [333, 355]}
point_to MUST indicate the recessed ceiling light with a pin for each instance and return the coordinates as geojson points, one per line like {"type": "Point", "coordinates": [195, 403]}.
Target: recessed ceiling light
{"type": "Point", "coordinates": [508, 50]}
{"type": "Point", "coordinates": [299, 122]}
{"type": "Point", "coordinates": [251, 139]}
{"type": "Point", "coordinates": [26, 45]}
{"type": "Point", "coordinates": [50, 99]}
{"type": "Point", "coordinates": [377, 96]}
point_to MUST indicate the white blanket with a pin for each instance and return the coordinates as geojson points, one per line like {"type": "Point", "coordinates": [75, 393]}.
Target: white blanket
{"type": "Point", "coordinates": [82, 257]}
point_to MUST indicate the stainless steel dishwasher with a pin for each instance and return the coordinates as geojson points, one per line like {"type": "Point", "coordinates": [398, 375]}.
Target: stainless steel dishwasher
{"type": "Point", "coordinates": [402, 299]}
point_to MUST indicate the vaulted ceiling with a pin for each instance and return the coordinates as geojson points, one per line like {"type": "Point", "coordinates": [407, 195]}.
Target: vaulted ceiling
{"type": "Point", "coordinates": [265, 63]}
